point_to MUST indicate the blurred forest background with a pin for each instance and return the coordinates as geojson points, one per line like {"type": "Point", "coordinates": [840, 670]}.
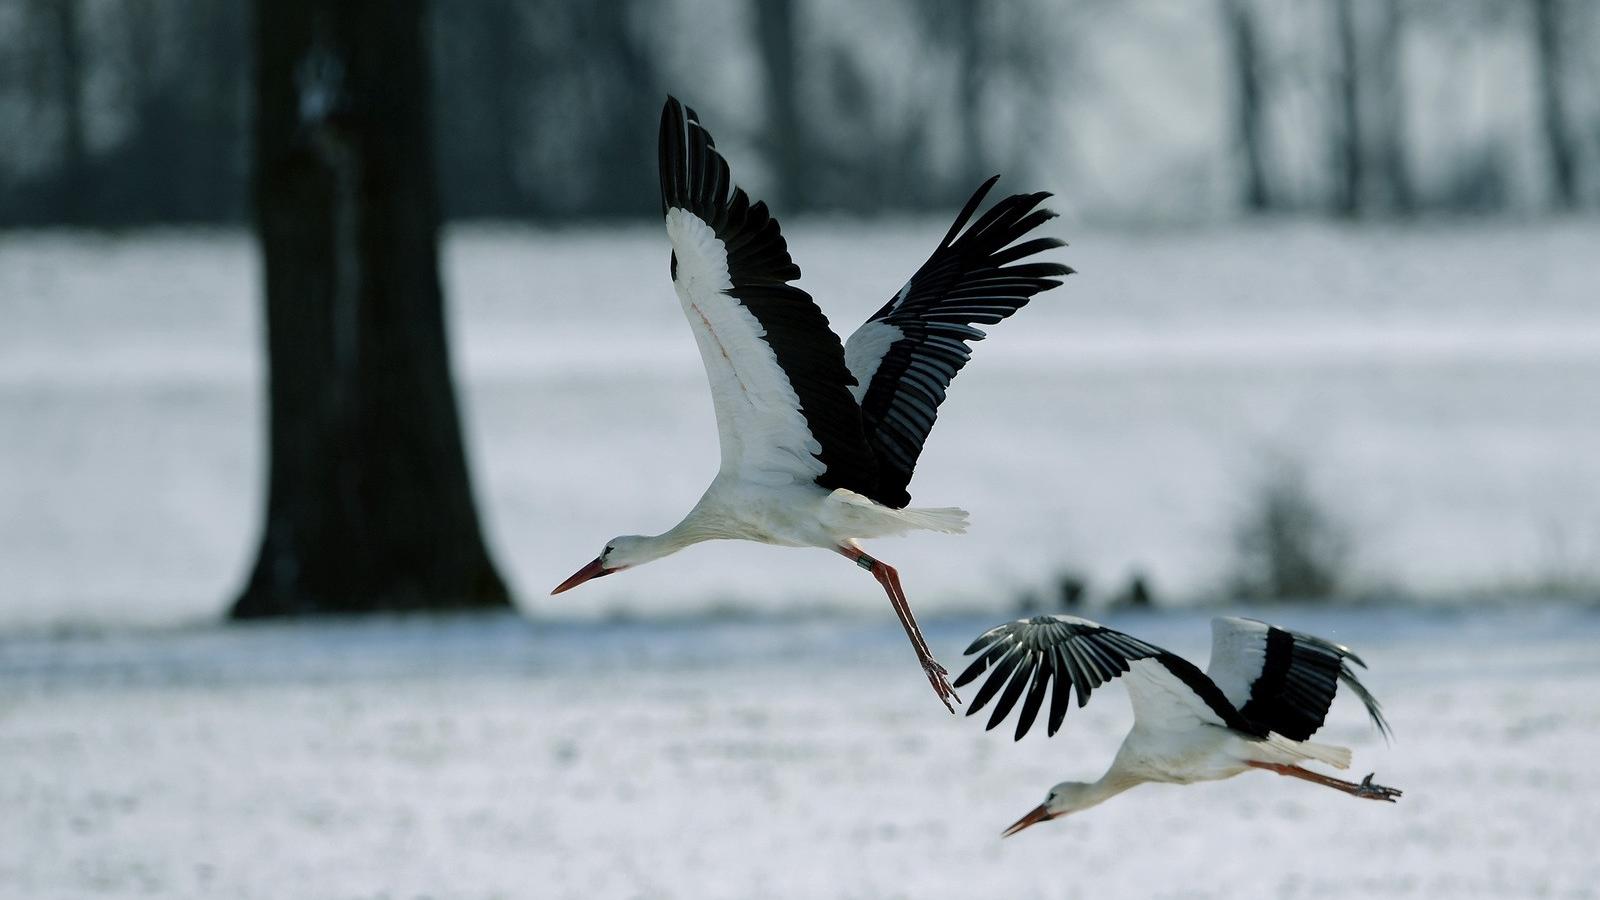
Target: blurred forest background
{"type": "Point", "coordinates": [1334, 337]}
{"type": "Point", "coordinates": [127, 112]}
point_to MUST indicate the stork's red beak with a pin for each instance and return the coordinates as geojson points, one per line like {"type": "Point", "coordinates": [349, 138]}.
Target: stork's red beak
{"type": "Point", "coordinates": [592, 570]}
{"type": "Point", "coordinates": [1035, 816]}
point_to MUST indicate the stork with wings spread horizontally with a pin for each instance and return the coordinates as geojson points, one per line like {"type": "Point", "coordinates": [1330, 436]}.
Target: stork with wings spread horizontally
{"type": "Point", "coordinates": [1266, 691]}
{"type": "Point", "coordinates": [819, 439]}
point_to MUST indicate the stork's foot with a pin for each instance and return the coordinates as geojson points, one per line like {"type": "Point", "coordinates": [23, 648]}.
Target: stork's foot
{"type": "Point", "coordinates": [1369, 791]}
{"type": "Point", "coordinates": [1366, 789]}
{"type": "Point", "coordinates": [939, 678]}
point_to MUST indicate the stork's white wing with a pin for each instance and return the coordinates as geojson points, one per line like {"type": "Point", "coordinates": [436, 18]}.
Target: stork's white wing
{"type": "Point", "coordinates": [777, 374]}
{"type": "Point", "coordinates": [762, 433]}
{"type": "Point", "coordinates": [1162, 698]}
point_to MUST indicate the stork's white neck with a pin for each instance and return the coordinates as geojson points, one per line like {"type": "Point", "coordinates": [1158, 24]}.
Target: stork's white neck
{"type": "Point", "coordinates": [697, 526]}
{"type": "Point", "coordinates": [689, 531]}
{"type": "Point", "coordinates": [1076, 796]}
{"type": "Point", "coordinates": [1112, 783]}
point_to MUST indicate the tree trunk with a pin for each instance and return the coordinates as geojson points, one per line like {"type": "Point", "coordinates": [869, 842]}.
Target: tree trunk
{"type": "Point", "coordinates": [1553, 104]}
{"type": "Point", "coordinates": [776, 36]}
{"type": "Point", "coordinates": [1244, 45]}
{"type": "Point", "coordinates": [369, 505]}
{"type": "Point", "coordinates": [1349, 160]}
{"type": "Point", "coordinates": [1388, 74]}
{"type": "Point", "coordinates": [74, 170]}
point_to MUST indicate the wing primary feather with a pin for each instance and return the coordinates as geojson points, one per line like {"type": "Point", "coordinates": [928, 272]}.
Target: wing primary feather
{"type": "Point", "coordinates": [1042, 671]}
{"type": "Point", "coordinates": [1028, 248]}
{"type": "Point", "coordinates": [983, 640]}
{"type": "Point", "coordinates": [1088, 678]}
{"type": "Point", "coordinates": [1061, 697]}
{"type": "Point", "coordinates": [1374, 709]}
{"type": "Point", "coordinates": [1014, 688]}
{"type": "Point", "coordinates": [998, 678]}
{"type": "Point", "coordinates": [978, 667]}
{"type": "Point", "coordinates": [664, 147]}
{"type": "Point", "coordinates": [969, 209]}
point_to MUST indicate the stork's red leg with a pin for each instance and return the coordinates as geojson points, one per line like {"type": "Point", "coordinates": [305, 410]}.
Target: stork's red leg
{"type": "Point", "coordinates": [1366, 789]}
{"type": "Point", "coordinates": [890, 579]}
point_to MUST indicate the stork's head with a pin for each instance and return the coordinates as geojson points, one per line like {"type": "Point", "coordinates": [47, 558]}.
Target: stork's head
{"type": "Point", "coordinates": [1065, 798]}
{"type": "Point", "coordinates": [620, 553]}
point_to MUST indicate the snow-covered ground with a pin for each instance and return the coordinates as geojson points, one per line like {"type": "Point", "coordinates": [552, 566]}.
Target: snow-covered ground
{"type": "Point", "coordinates": [1439, 382]}
{"type": "Point", "coordinates": [497, 757]}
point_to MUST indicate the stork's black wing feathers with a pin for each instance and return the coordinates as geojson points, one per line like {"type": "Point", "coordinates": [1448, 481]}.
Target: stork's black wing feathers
{"type": "Point", "coordinates": [1296, 687]}
{"type": "Point", "coordinates": [970, 279]}
{"type": "Point", "coordinates": [695, 177]}
{"type": "Point", "coordinates": [1283, 680]}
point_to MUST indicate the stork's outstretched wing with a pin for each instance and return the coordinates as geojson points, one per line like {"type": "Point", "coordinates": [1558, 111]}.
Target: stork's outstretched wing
{"type": "Point", "coordinates": [1027, 655]}
{"type": "Point", "coordinates": [1282, 680]}
{"type": "Point", "coordinates": [905, 356]}
{"type": "Point", "coordinates": [778, 379]}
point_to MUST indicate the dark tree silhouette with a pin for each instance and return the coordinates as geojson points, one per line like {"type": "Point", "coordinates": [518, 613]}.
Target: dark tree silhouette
{"type": "Point", "coordinates": [1547, 25]}
{"type": "Point", "coordinates": [1390, 126]}
{"type": "Point", "coordinates": [73, 184]}
{"type": "Point", "coordinates": [777, 36]}
{"type": "Point", "coordinates": [1248, 113]}
{"type": "Point", "coordinates": [368, 505]}
{"type": "Point", "coordinates": [1349, 157]}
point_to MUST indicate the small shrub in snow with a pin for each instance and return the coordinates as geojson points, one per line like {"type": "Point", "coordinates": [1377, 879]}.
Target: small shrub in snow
{"type": "Point", "coordinates": [1287, 545]}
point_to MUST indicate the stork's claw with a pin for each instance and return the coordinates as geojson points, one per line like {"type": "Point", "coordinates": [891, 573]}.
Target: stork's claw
{"type": "Point", "coordinates": [1366, 789]}
{"type": "Point", "coordinates": [941, 685]}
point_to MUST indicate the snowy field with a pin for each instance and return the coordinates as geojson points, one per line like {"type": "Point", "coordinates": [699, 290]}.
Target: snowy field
{"type": "Point", "coordinates": [498, 757]}
{"type": "Point", "coordinates": [1439, 383]}
{"type": "Point", "coordinates": [629, 740]}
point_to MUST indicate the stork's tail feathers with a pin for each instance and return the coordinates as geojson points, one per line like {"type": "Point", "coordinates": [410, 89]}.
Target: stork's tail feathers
{"type": "Point", "coordinates": [851, 513]}
{"type": "Point", "coordinates": [945, 519]}
{"type": "Point", "coordinates": [1296, 751]}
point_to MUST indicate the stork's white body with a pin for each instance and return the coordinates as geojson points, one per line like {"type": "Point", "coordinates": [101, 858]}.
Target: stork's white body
{"type": "Point", "coordinates": [804, 515]}
{"type": "Point", "coordinates": [1210, 753]}
{"type": "Point", "coordinates": [1197, 754]}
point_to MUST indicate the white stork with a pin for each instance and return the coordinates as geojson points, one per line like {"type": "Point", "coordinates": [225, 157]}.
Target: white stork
{"type": "Point", "coordinates": [819, 440]}
{"type": "Point", "coordinates": [1267, 690]}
